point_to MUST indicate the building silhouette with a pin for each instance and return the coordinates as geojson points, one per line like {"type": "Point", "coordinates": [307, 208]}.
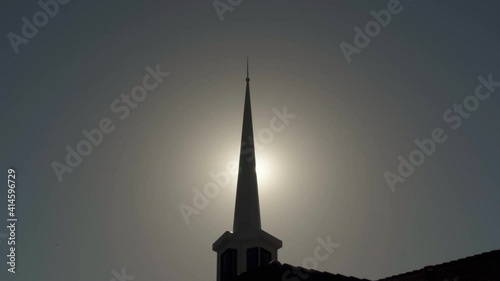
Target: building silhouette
{"type": "Point", "coordinates": [247, 246]}
{"type": "Point", "coordinates": [248, 253]}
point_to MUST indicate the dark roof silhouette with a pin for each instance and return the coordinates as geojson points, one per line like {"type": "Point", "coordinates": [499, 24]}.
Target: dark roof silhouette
{"type": "Point", "coordinates": [275, 271]}
{"type": "Point", "coordinates": [482, 267]}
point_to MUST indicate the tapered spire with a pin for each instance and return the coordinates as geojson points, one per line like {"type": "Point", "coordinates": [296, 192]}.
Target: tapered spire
{"type": "Point", "coordinates": [247, 210]}
{"type": "Point", "coordinates": [247, 246]}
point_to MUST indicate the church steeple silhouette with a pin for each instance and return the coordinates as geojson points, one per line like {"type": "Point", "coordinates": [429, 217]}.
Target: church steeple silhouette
{"type": "Point", "coordinates": [247, 211]}
{"type": "Point", "coordinates": [247, 246]}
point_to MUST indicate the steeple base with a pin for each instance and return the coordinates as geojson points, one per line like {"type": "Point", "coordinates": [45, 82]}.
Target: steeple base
{"type": "Point", "coordinates": [241, 252]}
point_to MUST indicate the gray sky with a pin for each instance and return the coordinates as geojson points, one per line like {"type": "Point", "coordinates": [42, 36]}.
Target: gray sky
{"type": "Point", "coordinates": [322, 175]}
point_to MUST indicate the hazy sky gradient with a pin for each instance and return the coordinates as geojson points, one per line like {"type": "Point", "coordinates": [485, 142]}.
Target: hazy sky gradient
{"type": "Point", "coordinates": [120, 207]}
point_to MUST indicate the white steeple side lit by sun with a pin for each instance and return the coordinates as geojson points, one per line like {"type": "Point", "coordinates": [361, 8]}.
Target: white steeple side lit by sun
{"type": "Point", "coordinates": [247, 246]}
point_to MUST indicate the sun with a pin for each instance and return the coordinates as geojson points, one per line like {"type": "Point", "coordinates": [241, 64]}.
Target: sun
{"type": "Point", "coordinates": [263, 169]}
